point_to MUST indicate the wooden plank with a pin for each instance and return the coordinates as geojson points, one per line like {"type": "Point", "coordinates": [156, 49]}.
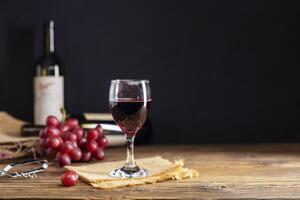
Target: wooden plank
{"type": "Point", "coordinates": [226, 172]}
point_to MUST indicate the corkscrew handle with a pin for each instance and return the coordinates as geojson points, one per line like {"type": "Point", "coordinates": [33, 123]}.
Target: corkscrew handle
{"type": "Point", "coordinates": [28, 173]}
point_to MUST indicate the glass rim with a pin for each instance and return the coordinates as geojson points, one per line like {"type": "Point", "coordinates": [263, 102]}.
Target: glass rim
{"type": "Point", "coordinates": [129, 80]}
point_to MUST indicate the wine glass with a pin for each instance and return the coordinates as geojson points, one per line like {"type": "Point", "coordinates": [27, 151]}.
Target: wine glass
{"type": "Point", "coordinates": [129, 102]}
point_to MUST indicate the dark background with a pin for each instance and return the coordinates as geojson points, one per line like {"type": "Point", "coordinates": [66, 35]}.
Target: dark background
{"type": "Point", "coordinates": [220, 71]}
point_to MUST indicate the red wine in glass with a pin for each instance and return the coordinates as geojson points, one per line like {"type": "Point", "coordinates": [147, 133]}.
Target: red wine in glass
{"type": "Point", "coordinates": [130, 114]}
{"type": "Point", "coordinates": [129, 102]}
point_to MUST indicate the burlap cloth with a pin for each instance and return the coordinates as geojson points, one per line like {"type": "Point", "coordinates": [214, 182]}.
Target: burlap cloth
{"type": "Point", "coordinates": [160, 170]}
{"type": "Point", "coordinates": [12, 144]}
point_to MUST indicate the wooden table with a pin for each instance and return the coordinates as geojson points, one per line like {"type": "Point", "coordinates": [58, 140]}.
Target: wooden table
{"type": "Point", "coordinates": [226, 172]}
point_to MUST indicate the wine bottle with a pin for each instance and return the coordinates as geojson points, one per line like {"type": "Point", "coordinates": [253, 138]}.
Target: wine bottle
{"type": "Point", "coordinates": [48, 81]}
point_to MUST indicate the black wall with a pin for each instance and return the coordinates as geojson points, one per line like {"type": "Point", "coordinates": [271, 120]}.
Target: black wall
{"type": "Point", "coordinates": [220, 71]}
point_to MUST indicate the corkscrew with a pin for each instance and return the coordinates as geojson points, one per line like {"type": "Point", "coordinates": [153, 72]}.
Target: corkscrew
{"type": "Point", "coordinates": [32, 173]}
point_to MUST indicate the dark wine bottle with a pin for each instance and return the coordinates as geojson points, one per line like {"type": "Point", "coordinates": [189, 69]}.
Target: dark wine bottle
{"type": "Point", "coordinates": [48, 80]}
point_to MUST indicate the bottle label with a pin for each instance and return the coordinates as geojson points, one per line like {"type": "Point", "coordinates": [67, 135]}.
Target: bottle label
{"type": "Point", "coordinates": [48, 98]}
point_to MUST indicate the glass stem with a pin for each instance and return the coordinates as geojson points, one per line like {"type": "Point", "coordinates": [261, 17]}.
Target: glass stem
{"type": "Point", "coordinates": [130, 164]}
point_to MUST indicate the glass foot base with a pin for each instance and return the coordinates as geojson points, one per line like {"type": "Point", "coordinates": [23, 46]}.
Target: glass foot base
{"type": "Point", "coordinates": [129, 173]}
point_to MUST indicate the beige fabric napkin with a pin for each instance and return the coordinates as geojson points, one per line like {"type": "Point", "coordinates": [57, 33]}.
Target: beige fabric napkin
{"type": "Point", "coordinates": [160, 170]}
{"type": "Point", "coordinates": [12, 144]}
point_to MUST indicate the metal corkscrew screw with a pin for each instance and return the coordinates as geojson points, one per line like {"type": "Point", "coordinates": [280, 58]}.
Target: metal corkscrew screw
{"type": "Point", "coordinates": [32, 173]}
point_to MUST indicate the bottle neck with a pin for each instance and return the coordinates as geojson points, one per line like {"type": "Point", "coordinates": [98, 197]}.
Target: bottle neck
{"type": "Point", "coordinates": [49, 37]}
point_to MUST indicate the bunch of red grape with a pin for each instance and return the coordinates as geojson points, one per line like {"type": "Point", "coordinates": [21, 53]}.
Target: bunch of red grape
{"type": "Point", "coordinates": [67, 142]}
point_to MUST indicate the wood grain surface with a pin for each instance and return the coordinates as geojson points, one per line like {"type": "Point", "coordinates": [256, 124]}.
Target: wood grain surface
{"type": "Point", "coordinates": [226, 172]}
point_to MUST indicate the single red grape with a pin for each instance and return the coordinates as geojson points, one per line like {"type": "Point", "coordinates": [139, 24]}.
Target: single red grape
{"type": "Point", "coordinates": [102, 142]}
{"type": "Point", "coordinates": [43, 143]}
{"type": "Point", "coordinates": [54, 142]}
{"type": "Point", "coordinates": [92, 134]}
{"type": "Point", "coordinates": [64, 128]}
{"type": "Point", "coordinates": [99, 154]}
{"type": "Point", "coordinates": [100, 130]}
{"type": "Point", "coordinates": [52, 121]}
{"type": "Point", "coordinates": [67, 147]}
{"type": "Point", "coordinates": [75, 154]}
{"type": "Point", "coordinates": [70, 136]}
{"type": "Point", "coordinates": [51, 153]}
{"type": "Point", "coordinates": [91, 146]}
{"type": "Point", "coordinates": [75, 143]}
{"type": "Point", "coordinates": [72, 122]}
{"type": "Point", "coordinates": [86, 156]}
{"type": "Point", "coordinates": [63, 159]}
{"type": "Point", "coordinates": [52, 131]}
{"type": "Point", "coordinates": [43, 133]}
{"type": "Point", "coordinates": [79, 132]}
{"type": "Point", "coordinates": [82, 143]}
{"type": "Point", "coordinates": [69, 178]}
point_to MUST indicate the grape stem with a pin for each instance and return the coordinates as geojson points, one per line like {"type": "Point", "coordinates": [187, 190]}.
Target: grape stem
{"type": "Point", "coordinates": [63, 114]}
